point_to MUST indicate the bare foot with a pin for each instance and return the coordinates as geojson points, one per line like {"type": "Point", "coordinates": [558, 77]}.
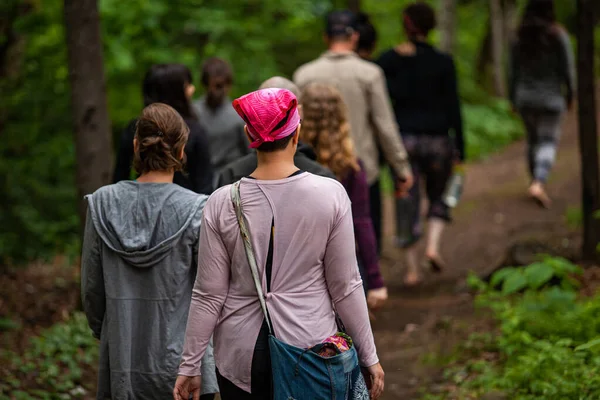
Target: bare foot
{"type": "Point", "coordinates": [412, 279]}
{"type": "Point", "coordinates": [435, 262]}
{"type": "Point", "coordinates": [537, 192]}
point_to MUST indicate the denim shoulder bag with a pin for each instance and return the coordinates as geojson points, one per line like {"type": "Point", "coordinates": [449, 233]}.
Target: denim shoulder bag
{"type": "Point", "coordinates": [302, 374]}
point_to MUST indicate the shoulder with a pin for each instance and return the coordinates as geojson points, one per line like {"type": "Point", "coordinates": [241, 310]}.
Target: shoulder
{"type": "Point", "coordinates": [368, 72]}
{"type": "Point", "coordinates": [197, 131]}
{"type": "Point", "coordinates": [330, 190]}
{"type": "Point", "coordinates": [110, 190]}
{"type": "Point", "coordinates": [217, 200]}
{"type": "Point", "coordinates": [386, 57]}
{"type": "Point", "coordinates": [305, 70]}
{"type": "Point", "coordinates": [194, 125]}
{"type": "Point", "coordinates": [306, 164]}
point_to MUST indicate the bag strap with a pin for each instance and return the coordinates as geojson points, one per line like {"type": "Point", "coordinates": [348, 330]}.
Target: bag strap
{"type": "Point", "coordinates": [237, 204]}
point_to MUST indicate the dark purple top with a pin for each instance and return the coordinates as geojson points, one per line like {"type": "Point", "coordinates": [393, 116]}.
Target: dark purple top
{"type": "Point", "coordinates": [357, 188]}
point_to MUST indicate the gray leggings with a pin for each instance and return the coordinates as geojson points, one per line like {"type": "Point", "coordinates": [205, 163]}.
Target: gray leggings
{"type": "Point", "coordinates": [543, 133]}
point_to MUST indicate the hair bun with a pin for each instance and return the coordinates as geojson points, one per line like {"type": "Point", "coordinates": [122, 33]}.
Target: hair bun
{"type": "Point", "coordinates": [161, 135]}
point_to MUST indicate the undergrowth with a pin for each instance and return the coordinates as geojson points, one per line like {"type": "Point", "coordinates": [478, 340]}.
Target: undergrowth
{"type": "Point", "coordinates": [547, 342]}
{"type": "Point", "coordinates": [60, 363]}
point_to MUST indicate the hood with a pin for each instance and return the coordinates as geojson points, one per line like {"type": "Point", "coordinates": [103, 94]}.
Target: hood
{"type": "Point", "coordinates": [307, 150]}
{"type": "Point", "coordinates": [143, 221]}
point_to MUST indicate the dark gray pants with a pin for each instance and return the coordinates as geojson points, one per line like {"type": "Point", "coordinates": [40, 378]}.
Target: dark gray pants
{"type": "Point", "coordinates": [543, 133]}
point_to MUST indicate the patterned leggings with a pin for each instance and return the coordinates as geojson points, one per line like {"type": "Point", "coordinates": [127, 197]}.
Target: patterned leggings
{"type": "Point", "coordinates": [431, 158]}
{"type": "Point", "coordinates": [543, 133]}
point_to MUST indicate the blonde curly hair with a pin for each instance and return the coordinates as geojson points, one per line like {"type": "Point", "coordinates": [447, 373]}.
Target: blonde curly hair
{"type": "Point", "coordinates": [325, 127]}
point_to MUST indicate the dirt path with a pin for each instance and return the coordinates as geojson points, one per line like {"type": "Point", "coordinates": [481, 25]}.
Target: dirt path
{"type": "Point", "coordinates": [493, 217]}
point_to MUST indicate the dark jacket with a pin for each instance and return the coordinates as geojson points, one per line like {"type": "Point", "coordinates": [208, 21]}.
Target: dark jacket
{"type": "Point", "coordinates": [198, 174]}
{"type": "Point", "coordinates": [423, 89]}
{"type": "Point", "coordinates": [544, 80]}
{"type": "Point", "coordinates": [304, 159]}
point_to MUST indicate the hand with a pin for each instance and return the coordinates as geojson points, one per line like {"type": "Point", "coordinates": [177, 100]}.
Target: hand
{"type": "Point", "coordinates": [376, 298]}
{"type": "Point", "coordinates": [186, 386]}
{"type": "Point", "coordinates": [375, 382]}
{"type": "Point", "coordinates": [404, 185]}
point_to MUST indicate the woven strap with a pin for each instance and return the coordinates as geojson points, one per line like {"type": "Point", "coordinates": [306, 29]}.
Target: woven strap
{"type": "Point", "coordinates": [237, 204]}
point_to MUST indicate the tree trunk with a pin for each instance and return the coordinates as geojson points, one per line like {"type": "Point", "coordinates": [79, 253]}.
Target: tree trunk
{"type": "Point", "coordinates": [354, 5]}
{"type": "Point", "coordinates": [509, 8]}
{"type": "Point", "coordinates": [91, 126]}
{"type": "Point", "coordinates": [588, 140]}
{"type": "Point", "coordinates": [497, 38]}
{"type": "Point", "coordinates": [448, 25]}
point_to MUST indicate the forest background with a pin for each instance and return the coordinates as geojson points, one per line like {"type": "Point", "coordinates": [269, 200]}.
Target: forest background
{"type": "Point", "coordinates": [38, 195]}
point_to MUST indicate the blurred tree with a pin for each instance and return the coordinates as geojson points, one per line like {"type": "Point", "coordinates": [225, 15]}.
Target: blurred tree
{"type": "Point", "coordinates": [588, 129]}
{"type": "Point", "coordinates": [447, 25]}
{"type": "Point", "coordinates": [91, 125]}
{"type": "Point", "coordinates": [497, 45]}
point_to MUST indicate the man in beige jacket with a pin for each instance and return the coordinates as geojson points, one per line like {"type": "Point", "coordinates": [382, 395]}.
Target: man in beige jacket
{"type": "Point", "coordinates": [362, 85]}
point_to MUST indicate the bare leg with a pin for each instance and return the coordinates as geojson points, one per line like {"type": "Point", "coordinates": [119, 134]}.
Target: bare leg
{"type": "Point", "coordinates": [434, 235]}
{"type": "Point", "coordinates": [413, 276]}
{"type": "Point", "coordinates": [538, 193]}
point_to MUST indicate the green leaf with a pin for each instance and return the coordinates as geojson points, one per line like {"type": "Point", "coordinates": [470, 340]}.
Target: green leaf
{"type": "Point", "coordinates": [501, 275]}
{"type": "Point", "coordinates": [588, 345]}
{"type": "Point", "coordinates": [538, 274]}
{"type": "Point", "coordinates": [514, 282]}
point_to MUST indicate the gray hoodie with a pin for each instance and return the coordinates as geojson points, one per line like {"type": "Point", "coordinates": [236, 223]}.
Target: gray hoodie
{"type": "Point", "coordinates": [138, 268]}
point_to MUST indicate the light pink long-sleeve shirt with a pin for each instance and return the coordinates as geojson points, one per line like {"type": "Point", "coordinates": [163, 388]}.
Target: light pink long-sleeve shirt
{"type": "Point", "coordinates": [314, 265]}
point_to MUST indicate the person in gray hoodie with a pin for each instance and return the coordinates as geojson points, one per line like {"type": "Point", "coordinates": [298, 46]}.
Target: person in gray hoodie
{"type": "Point", "coordinates": [542, 86]}
{"type": "Point", "coordinates": [139, 263]}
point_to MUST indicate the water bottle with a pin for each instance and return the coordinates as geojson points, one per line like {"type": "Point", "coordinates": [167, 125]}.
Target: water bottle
{"type": "Point", "coordinates": [404, 220]}
{"type": "Point", "coordinates": [454, 188]}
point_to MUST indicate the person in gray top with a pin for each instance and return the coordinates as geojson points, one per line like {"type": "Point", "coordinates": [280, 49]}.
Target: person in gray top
{"type": "Point", "coordinates": [224, 127]}
{"type": "Point", "coordinates": [139, 263]}
{"type": "Point", "coordinates": [542, 86]}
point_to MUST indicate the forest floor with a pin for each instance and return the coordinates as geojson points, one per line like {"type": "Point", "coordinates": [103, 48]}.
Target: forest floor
{"type": "Point", "coordinates": [495, 225]}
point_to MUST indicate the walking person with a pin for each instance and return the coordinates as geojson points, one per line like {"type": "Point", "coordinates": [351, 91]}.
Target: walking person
{"type": "Point", "coordinates": [225, 129]}
{"type": "Point", "coordinates": [423, 86]}
{"type": "Point", "coordinates": [138, 266]}
{"type": "Point", "coordinates": [367, 37]}
{"type": "Point", "coordinates": [362, 85]}
{"type": "Point", "coordinates": [305, 157]}
{"type": "Point", "coordinates": [325, 127]}
{"type": "Point", "coordinates": [367, 41]}
{"type": "Point", "coordinates": [298, 239]}
{"type": "Point", "coordinates": [542, 86]}
{"type": "Point", "coordinates": [171, 84]}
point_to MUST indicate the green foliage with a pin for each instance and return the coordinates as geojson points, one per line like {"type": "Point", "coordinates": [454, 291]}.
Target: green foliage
{"type": "Point", "coordinates": [38, 196]}
{"type": "Point", "coordinates": [60, 363]}
{"type": "Point", "coordinates": [536, 275]}
{"type": "Point", "coordinates": [547, 344]}
{"type": "Point", "coordinates": [260, 39]}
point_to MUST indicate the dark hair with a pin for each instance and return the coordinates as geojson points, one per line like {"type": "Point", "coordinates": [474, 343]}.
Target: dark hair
{"type": "Point", "coordinates": [281, 144]}
{"type": "Point", "coordinates": [165, 83]}
{"type": "Point", "coordinates": [340, 24]}
{"type": "Point", "coordinates": [419, 19]}
{"type": "Point", "coordinates": [368, 33]}
{"type": "Point", "coordinates": [161, 135]}
{"type": "Point", "coordinates": [216, 67]}
{"type": "Point", "coordinates": [536, 32]}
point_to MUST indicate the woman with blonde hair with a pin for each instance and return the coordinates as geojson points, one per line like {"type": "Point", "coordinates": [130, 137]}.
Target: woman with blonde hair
{"type": "Point", "coordinates": [326, 128]}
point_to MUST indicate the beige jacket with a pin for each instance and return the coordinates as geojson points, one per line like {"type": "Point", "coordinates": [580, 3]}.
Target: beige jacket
{"type": "Point", "coordinates": [363, 88]}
